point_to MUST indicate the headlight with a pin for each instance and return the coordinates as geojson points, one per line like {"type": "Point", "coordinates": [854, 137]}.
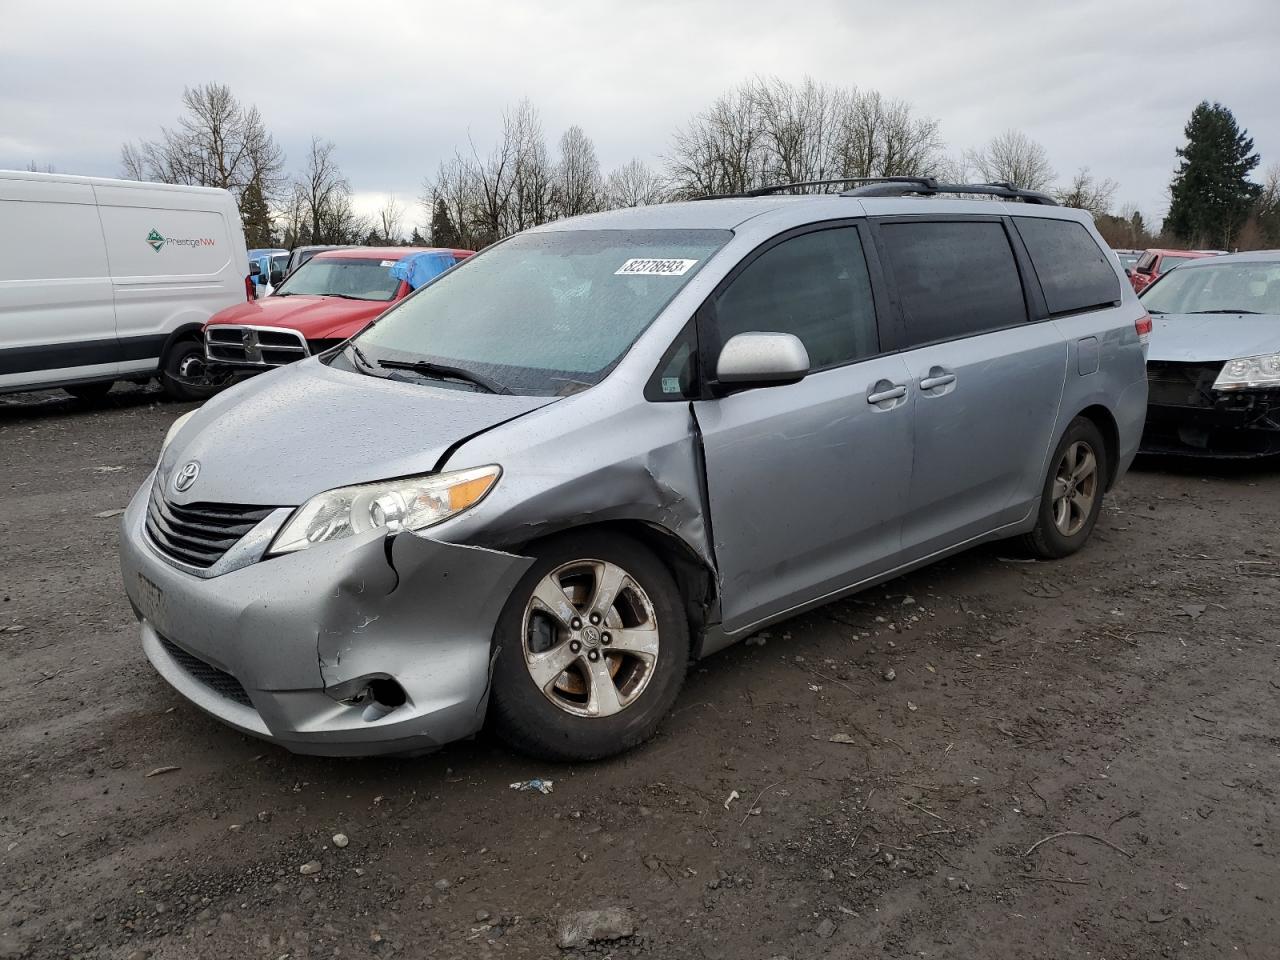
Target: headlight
{"type": "Point", "coordinates": [1249, 373]}
{"type": "Point", "coordinates": [173, 430]}
{"type": "Point", "coordinates": [394, 505]}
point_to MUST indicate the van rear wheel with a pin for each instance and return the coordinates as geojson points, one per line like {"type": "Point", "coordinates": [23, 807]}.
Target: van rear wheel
{"type": "Point", "coordinates": [1072, 496]}
{"type": "Point", "coordinates": [592, 648]}
{"type": "Point", "coordinates": [185, 374]}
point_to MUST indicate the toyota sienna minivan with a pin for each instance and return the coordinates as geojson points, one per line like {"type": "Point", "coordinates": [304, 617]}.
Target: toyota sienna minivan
{"type": "Point", "coordinates": [532, 491]}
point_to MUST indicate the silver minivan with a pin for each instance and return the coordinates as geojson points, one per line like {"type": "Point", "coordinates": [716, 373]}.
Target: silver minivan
{"type": "Point", "coordinates": [531, 492]}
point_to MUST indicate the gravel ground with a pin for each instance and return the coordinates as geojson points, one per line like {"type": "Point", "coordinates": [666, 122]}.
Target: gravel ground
{"type": "Point", "coordinates": [1074, 759]}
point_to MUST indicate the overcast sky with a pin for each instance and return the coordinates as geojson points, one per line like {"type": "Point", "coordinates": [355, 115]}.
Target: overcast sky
{"type": "Point", "coordinates": [397, 85]}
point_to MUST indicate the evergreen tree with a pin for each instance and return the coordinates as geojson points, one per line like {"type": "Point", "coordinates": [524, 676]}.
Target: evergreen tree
{"type": "Point", "coordinates": [416, 239]}
{"type": "Point", "coordinates": [1211, 191]}
{"type": "Point", "coordinates": [256, 216]}
{"type": "Point", "coordinates": [444, 232]}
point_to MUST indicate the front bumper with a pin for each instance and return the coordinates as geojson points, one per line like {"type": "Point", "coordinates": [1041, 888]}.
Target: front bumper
{"type": "Point", "coordinates": [1187, 417]}
{"type": "Point", "coordinates": [269, 648]}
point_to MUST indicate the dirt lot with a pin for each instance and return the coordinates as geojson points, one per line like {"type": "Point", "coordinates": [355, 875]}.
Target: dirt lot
{"type": "Point", "coordinates": [1128, 693]}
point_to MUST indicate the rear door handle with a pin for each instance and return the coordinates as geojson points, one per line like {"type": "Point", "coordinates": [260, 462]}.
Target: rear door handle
{"type": "Point", "coordinates": [893, 393]}
{"type": "Point", "coordinates": [928, 383]}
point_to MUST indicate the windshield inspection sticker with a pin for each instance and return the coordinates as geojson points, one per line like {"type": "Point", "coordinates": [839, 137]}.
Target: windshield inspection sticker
{"type": "Point", "coordinates": [654, 268]}
{"type": "Point", "coordinates": [388, 263]}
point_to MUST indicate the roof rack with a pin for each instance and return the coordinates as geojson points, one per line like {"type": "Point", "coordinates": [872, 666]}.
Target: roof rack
{"type": "Point", "coordinates": [779, 187]}
{"type": "Point", "coordinates": [901, 187]}
{"type": "Point", "coordinates": [927, 186]}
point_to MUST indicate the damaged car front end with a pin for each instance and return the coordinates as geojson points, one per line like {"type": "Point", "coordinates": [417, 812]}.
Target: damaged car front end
{"type": "Point", "coordinates": [1214, 364]}
{"type": "Point", "coordinates": [284, 587]}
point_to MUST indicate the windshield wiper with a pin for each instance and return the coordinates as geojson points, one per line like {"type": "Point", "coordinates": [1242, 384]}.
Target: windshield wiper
{"type": "Point", "coordinates": [427, 368]}
{"type": "Point", "coordinates": [1224, 311]}
{"type": "Point", "coordinates": [361, 359]}
{"type": "Point", "coordinates": [347, 296]}
{"type": "Point", "coordinates": [1155, 313]}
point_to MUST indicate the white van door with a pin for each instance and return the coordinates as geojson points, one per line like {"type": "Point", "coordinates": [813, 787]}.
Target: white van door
{"type": "Point", "coordinates": [57, 315]}
{"type": "Point", "coordinates": [176, 259]}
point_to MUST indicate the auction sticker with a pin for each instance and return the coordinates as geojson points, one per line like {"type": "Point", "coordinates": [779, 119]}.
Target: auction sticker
{"type": "Point", "coordinates": [647, 267]}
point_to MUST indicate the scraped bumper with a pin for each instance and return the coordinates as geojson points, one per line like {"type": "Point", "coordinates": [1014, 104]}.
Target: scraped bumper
{"type": "Point", "coordinates": [288, 649]}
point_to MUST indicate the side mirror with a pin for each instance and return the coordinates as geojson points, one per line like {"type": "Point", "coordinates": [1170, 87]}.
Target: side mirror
{"type": "Point", "coordinates": [762, 360]}
{"type": "Point", "coordinates": [255, 269]}
{"type": "Point", "coordinates": [276, 277]}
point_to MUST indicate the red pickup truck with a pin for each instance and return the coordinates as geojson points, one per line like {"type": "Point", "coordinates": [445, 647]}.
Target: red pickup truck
{"type": "Point", "coordinates": [319, 305]}
{"type": "Point", "coordinates": [1154, 263]}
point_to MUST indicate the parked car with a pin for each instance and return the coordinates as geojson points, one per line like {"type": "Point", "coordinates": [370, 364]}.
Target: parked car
{"type": "Point", "coordinates": [1128, 260]}
{"type": "Point", "coordinates": [300, 255]}
{"type": "Point", "coordinates": [267, 267]}
{"type": "Point", "coordinates": [1155, 263]}
{"type": "Point", "coordinates": [105, 280]}
{"type": "Point", "coordinates": [316, 307]}
{"type": "Point", "coordinates": [1214, 365]}
{"type": "Point", "coordinates": [502, 495]}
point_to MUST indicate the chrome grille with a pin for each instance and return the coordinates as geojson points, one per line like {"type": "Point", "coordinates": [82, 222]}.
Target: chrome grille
{"type": "Point", "coordinates": [253, 346]}
{"type": "Point", "coordinates": [198, 534]}
{"type": "Point", "coordinates": [216, 680]}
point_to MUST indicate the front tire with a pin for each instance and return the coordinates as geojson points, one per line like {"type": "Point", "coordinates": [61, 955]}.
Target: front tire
{"type": "Point", "coordinates": [186, 375]}
{"type": "Point", "coordinates": [592, 647]}
{"type": "Point", "coordinates": [1071, 499]}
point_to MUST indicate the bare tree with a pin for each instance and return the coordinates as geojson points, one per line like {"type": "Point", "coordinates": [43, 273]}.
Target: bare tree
{"type": "Point", "coordinates": [799, 127]}
{"type": "Point", "coordinates": [578, 185]}
{"type": "Point", "coordinates": [1015, 158]}
{"type": "Point", "coordinates": [633, 184]}
{"type": "Point", "coordinates": [533, 187]}
{"type": "Point", "coordinates": [1088, 193]}
{"type": "Point", "coordinates": [721, 150]}
{"type": "Point", "coordinates": [390, 219]}
{"type": "Point", "coordinates": [450, 199]}
{"type": "Point", "coordinates": [218, 142]}
{"type": "Point", "coordinates": [770, 131]}
{"type": "Point", "coordinates": [324, 197]}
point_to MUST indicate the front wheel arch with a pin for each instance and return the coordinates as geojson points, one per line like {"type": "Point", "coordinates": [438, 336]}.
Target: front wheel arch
{"type": "Point", "coordinates": [695, 577]}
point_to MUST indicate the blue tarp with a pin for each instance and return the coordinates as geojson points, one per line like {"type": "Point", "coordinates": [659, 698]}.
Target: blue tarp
{"type": "Point", "coordinates": [417, 268]}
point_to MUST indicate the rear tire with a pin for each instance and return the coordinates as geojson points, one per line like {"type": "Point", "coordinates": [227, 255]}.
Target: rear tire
{"type": "Point", "coordinates": [605, 685]}
{"type": "Point", "coordinates": [185, 373]}
{"type": "Point", "coordinates": [91, 392]}
{"type": "Point", "coordinates": [1071, 499]}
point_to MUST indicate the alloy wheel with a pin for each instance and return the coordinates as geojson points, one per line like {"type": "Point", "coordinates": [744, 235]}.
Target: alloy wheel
{"type": "Point", "coordinates": [1075, 487]}
{"type": "Point", "coordinates": [590, 638]}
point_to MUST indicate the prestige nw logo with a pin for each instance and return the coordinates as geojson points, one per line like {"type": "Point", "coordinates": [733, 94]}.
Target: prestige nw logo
{"type": "Point", "coordinates": [185, 477]}
{"type": "Point", "coordinates": [157, 240]}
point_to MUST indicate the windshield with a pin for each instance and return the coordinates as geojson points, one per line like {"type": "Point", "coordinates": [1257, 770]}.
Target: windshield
{"type": "Point", "coordinates": [1167, 262]}
{"type": "Point", "coordinates": [542, 314]}
{"type": "Point", "coordinates": [1252, 287]}
{"type": "Point", "coordinates": [351, 277]}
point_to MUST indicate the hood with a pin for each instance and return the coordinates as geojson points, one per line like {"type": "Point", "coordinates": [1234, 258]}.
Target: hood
{"type": "Point", "coordinates": [314, 317]}
{"type": "Point", "coordinates": [281, 437]}
{"type": "Point", "coordinates": [1212, 337]}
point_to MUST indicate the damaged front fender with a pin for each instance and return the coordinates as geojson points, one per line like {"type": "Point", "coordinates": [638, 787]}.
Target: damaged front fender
{"type": "Point", "coordinates": [420, 613]}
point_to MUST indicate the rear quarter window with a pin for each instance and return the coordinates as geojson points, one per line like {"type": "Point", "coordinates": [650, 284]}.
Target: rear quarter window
{"type": "Point", "coordinates": [1073, 270]}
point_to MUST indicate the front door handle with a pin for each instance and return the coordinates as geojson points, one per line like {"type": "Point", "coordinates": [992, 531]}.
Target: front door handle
{"type": "Point", "coordinates": [941, 380]}
{"type": "Point", "coordinates": [893, 393]}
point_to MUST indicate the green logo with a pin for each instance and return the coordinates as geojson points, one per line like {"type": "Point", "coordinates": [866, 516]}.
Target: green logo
{"type": "Point", "coordinates": [156, 240]}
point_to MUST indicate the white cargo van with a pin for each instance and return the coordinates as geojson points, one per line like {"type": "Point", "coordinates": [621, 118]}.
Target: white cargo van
{"type": "Point", "coordinates": [105, 280]}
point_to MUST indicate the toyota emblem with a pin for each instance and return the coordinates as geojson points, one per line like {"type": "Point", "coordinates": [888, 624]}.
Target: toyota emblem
{"type": "Point", "coordinates": [185, 477]}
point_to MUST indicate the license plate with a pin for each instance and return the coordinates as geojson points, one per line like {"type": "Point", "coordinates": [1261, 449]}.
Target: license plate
{"type": "Point", "coordinates": [151, 602]}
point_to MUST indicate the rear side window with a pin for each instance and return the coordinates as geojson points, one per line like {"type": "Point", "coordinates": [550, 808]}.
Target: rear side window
{"type": "Point", "coordinates": [954, 278]}
{"type": "Point", "coordinates": [814, 286]}
{"type": "Point", "coordinates": [1074, 273]}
